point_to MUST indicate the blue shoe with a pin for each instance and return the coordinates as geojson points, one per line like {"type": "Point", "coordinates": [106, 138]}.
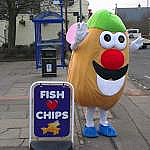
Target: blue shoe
{"type": "Point", "coordinates": [108, 131]}
{"type": "Point", "coordinates": [89, 132]}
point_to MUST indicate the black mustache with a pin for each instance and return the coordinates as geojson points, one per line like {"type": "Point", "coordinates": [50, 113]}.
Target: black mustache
{"type": "Point", "coordinates": [109, 74]}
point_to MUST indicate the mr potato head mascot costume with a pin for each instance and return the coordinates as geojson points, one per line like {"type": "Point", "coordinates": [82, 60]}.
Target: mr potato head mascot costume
{"type": "Point", "coordinates": [98, 68]}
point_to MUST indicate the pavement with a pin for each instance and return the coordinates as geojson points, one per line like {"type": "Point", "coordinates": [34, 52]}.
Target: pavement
{"type": "Point", "coordinates": [131, 116]}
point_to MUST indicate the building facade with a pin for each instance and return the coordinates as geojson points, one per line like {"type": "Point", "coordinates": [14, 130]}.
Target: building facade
{"type": "Point", "coordinates": [138, 17]}
{"type": "Point", "coordinates": [25, 26]}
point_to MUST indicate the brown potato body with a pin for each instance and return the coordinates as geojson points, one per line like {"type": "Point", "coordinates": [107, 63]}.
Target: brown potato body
{"type": "Point", "coordinates": [83, 76]}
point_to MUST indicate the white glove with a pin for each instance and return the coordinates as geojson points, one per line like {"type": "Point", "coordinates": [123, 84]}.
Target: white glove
{"type": "Point", "coordinates": [80, 34]}
{"type": "Point", "coordinates": [136, 44]}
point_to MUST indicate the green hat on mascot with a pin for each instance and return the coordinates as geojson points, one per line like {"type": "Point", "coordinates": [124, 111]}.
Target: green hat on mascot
{"type": "Point", "coordinates": [104, 19]}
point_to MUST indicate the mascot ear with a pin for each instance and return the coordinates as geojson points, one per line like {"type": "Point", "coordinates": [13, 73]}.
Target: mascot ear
{"type": "Point", "coordinates": [76, 34]}
{"type": "Point", "coordinates": [136, 44]}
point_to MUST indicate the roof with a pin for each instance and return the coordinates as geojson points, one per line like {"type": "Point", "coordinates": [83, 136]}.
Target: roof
{"type": "Point", "coordinates": [48, 17]}
{"type": "Point", "coordinates": [133, 14]}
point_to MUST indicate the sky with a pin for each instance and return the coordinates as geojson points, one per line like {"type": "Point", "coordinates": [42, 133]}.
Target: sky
{"type": "Point", "coordinates": [110, 4]}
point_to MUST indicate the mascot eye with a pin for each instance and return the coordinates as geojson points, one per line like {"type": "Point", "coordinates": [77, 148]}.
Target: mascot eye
{"type": "Point", "coordinates": [120, 40]}
{"type": "Point", "coordinates": [106, 39]}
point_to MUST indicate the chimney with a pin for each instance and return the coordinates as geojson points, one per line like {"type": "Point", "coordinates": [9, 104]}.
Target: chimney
{"type": "Point", "coordinates": [139, 5]}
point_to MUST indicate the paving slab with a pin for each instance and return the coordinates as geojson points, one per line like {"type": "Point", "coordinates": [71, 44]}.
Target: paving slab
{"type": "Point", "coordinates": [3, 107]}
{"type": "Point", "coordinates": [14, 148]}
{"type": "Point", "coordinates": [17, 91]}
{"type": "Point", "coordinates": [25, 143]}
{"type": "Point", "coordinates": [128, 133]}
{"type": "Point", "coordinates": [24, 133]}
{"type": "Point", "coordinates": [10, 143]}
{"type": "Point", "coordinates": [13, 115]}
{"type": "Point", "coordinates": [143, 102]}
{"type": "Point", "coordinates": [140, 99]}
{"type": "Point", "coordinates": [132, 90]}
{"type": "Point", "coordinates": [139, 118]}
{"type": "Point", "coordinates": [21, 85]}
{"type": "Point", "coordinates": [3, 130]}
{"type": "Point", "coordinates": [16, 108]}
{"type": "Point", "coordinates": [100, 143]}
{"type": "Point", "coordinates": [15, 100]}
{"type": "Point", "coordinates": [10, 134]}
{"type": "Point", "coordinates": [14, 123]}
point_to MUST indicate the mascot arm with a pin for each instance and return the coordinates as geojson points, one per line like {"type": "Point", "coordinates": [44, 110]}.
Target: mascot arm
{"type": "Point", "coordinates": [136, 44]}
{"type": "Point", "coordinates": [81, 33]}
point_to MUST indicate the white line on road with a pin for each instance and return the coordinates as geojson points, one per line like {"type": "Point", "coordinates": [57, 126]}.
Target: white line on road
{"type": "Point", "coordinates": [147, 77]}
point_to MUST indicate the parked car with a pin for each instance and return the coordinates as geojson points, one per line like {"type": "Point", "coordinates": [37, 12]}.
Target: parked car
{"type": "Point", "coordinates": [133, 33]}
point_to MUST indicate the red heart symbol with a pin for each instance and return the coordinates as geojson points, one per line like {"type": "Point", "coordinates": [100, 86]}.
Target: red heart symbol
{"type": "Point", "coordinates": [51, 104]}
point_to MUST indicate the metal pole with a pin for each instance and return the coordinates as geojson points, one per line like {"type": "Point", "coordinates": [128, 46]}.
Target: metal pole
{"type": "Point", "coordinates": [66, 15]}
{"type": "Point", "coordinates": [116, 9]}
{"type": "Point", "coordinates": [5, 35]}
{"type": "Point", "coordinates": [148, 18]}
{"type": "Point", "coordinates": [80, 10]}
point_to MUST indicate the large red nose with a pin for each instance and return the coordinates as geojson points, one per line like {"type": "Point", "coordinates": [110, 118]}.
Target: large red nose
{"type": "Point", "coordinates": [112, 59]}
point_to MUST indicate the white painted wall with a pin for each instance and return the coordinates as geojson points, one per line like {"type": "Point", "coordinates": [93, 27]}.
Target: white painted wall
{"type": "Point", "coordinates": [2, 27]}
{"type": "Point", "coordinates": [50, 31]}
{"type": "Point", "coordinates": [24, 34]}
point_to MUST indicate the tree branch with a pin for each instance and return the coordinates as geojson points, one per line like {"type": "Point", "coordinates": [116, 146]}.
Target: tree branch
{"type": "Point", "coordinates": [3, 4]}
{"type": "Point", "coordinates": [4, 16]}
{"type": "Point", "coordinates": [28, 5]}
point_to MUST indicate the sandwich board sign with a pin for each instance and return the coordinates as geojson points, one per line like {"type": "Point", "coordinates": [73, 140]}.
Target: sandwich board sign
{"type": "Point", "coordinates": [51, 110]}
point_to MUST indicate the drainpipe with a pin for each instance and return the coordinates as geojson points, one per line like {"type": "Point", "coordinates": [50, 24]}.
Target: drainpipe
{"type": "Point", "coordinates": [80, 10]}
{"type": "Point", "coordinates": [66, 15]}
